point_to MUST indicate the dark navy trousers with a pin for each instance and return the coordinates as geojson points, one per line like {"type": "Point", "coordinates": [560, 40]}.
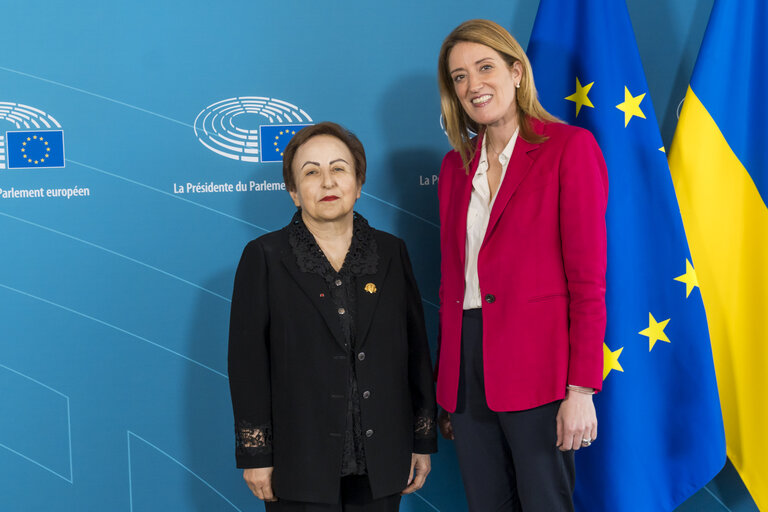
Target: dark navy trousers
{"type": "Point", "coordinates": [508, 460]}
{"type": "Point", "coordinates": [355, 496]}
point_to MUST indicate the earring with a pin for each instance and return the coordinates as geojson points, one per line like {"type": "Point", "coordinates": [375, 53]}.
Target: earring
{"type": "Point", "coordinates": [517, 85]}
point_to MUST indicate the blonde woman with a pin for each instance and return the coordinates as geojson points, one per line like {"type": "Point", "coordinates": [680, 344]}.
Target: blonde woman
{"type": "Point", "coordinates": [522, 305]}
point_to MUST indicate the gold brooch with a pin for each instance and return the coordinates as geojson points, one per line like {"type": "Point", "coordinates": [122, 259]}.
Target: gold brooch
{"type": "Point", "coordinates": [370, 288]}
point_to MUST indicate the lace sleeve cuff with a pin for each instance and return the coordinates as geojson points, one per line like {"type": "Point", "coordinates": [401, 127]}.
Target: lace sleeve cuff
{"type": "Point", "coordinates": [424, 433]}
{"type": "Point", "coordinates": [253, 444]}
{"type": "Point", "coordinates": [424, 427]}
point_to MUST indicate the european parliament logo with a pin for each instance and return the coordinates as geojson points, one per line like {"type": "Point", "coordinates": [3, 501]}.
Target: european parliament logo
{"type": "Point", "coordinates": [35, 149]}
{"type": "Point", "coordinates": [249, 128]}
{"type": "Point", "coordinates": [274, 138]}
{"type": "Point", "coordinates": [442, 127]}
{"type": "Point", "coordinates": [37, 142]}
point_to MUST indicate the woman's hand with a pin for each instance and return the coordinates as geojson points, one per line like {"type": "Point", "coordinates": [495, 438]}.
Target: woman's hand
{"type": "Point", "coordinates": [444, 423]}
{"type": "Point", "coordinates": [259, 480]}
{"type": "Point", "coordinates": [576, 421]}
{"type": "Point", "coordinates": [420, 467]}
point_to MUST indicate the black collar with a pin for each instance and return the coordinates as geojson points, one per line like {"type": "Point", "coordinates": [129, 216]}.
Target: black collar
{"type": "Point", "coordinates": [362, 257]}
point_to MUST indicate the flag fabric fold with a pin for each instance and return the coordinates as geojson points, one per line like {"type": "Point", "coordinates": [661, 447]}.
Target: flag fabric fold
{"type": "Point", "coordinates": [719, 165]}
{"type": "Point", "coordinates": [659, 421]}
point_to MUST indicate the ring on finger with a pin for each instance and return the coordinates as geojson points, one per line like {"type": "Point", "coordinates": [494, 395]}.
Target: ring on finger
{"type": "Point", "coordinates": [586, 442]}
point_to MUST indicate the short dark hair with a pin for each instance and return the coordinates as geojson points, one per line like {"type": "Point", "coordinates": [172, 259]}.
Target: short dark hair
{"type": "Point", "coordinates": [325, 128]}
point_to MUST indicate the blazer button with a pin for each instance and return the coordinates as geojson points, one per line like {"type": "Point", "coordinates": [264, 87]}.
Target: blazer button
{"type": "Point", "coordinates": [369, 433]}
{"type": "Point", "coordinates": [490, 299]}
{"type": "Point", "coordinates": [361, 356]}
{"type": "Point", "coordinates": [366, 394]}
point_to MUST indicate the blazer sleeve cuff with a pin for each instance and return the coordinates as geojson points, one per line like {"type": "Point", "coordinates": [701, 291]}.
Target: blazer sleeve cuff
{"type": "Point", "coordinates": [587, 372]}
{"type": "Point", "coordinates": [260, 460]}
{"type": "Point", "coordinates": [425, 446]}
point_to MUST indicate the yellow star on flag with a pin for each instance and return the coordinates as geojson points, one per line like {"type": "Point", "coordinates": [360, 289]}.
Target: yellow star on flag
{"type": "Point", "coordinates": [655, 331]}
{"type": "Point", "coordinates": [580, 96]}
{"type": "Point", "coordinates": [631, 106]}
{"type": "Point", "coordinates": [689, 278]}
{"type": "Point", "coordinates": [611, 360]}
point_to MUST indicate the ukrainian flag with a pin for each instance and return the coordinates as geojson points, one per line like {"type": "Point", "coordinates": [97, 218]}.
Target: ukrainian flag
{"type": "Point", "coordinates": [660, 427]}
{"type": "Point", "coordinates": [719, 164]}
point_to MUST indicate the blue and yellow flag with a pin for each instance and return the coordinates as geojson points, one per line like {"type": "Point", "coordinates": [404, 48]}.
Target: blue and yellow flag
{"type": "Point", "coordinates": [659, 421]}
{"type": "Point", "coordinates": [719, 164]}
{"type": "Point", "coordinates": [274, 139]}
{"type": "Point", "coordinates": [33, 149]}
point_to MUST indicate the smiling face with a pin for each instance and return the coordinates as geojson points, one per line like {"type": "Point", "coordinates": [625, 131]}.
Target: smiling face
{"type": "Point", "coordinates": [484, 84]}
{"type": "Point", "coordinates": [326, 182]}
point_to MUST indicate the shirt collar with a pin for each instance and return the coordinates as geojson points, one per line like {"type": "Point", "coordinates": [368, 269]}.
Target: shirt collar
{"type": "Point", "coordinates": [362, 257]}
{"type": "Point", "coordinates": [504, 156]}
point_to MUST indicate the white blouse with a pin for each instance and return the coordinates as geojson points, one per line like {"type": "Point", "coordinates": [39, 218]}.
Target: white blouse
{"type": "Point", "coordinates": [478, 215]}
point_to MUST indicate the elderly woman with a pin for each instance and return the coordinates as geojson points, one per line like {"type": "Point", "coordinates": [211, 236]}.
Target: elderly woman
{"type": "Point", "coordinates": [329, 364]}
{"type": "Point", "coordinates": [522, 306]}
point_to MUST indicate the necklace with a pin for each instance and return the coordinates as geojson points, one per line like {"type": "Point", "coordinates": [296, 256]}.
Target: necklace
{"type": "Point", "coordinates": [490, 146]}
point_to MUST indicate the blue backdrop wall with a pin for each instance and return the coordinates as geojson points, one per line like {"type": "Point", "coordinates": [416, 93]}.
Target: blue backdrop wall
{"type": "Point", "coordinates": [117, 253]}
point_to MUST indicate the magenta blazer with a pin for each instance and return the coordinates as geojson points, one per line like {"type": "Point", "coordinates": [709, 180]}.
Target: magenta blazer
{"type": "Point", "coordinates": [541, 268]}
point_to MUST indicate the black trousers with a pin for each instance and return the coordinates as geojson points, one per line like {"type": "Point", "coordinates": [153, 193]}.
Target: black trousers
{"type": "Point", "coordinates": [355, 496]}
{"type": "Point", "coordinates": [508, 460]}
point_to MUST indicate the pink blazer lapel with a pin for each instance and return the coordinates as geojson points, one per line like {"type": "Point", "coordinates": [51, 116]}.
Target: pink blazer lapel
{"type": "Point", "coordinates": [519, 166]}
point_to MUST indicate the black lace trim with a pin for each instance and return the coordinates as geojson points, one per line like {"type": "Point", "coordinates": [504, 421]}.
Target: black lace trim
{"type": "Point", "coordinates": [424, 426]}
{"type": "Point", "coordinates": [253, 439]}
{"type": "Point", "coordinates": [362, 257]}
{"type": "Point", "coordinates": [353, 460]}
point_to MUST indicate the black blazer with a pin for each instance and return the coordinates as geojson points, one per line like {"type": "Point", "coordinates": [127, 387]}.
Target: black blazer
{"type": "Point", "coordinates": [288, 371]}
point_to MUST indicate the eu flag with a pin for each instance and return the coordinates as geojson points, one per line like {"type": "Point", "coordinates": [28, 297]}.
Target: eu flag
{"type": "Point", "coordinates": [274, 138]}
{"type": "Point", "coordinates": [34, 149]}
{"type": "Point", "coordinates": [659, 421]}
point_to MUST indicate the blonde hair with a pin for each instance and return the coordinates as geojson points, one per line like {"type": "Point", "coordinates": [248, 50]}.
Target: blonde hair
{"type": "Point", "coordinates": [457, 123]}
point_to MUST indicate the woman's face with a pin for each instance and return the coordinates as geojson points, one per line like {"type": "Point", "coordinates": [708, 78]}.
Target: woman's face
{"type": "Point", "coordinates": [326, 182]}
{"type": "Point", "coordinates": [484, 84]}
